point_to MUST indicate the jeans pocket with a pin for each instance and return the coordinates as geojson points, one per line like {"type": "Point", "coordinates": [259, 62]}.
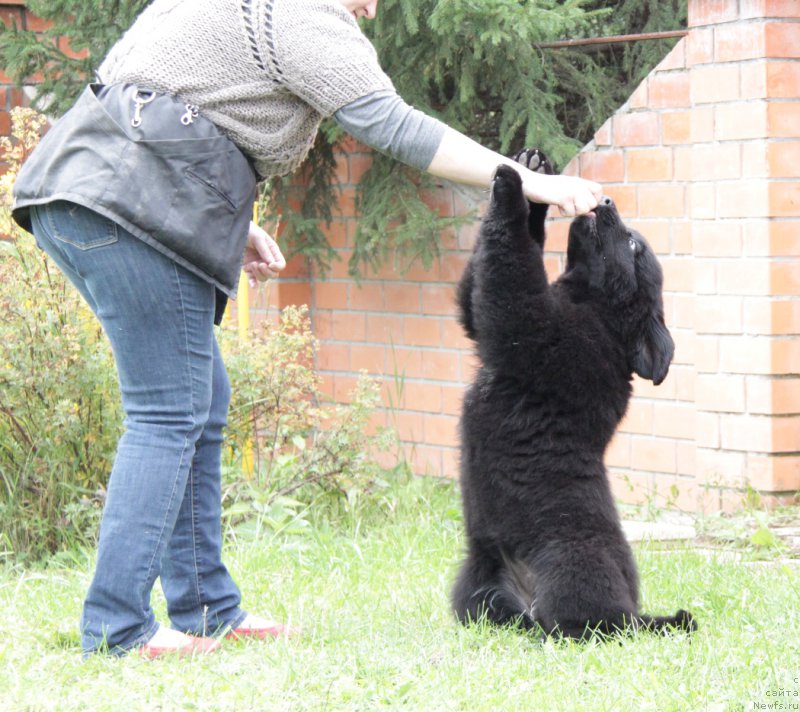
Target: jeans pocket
{"type": "Point", "coordinates": [78, 226]}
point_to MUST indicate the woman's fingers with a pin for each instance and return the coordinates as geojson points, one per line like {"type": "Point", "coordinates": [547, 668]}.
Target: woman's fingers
{"type": "Point", "coordinates": [263, 259]}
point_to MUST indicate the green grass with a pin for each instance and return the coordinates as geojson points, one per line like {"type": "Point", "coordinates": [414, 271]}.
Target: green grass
{"type": "Point", "coordinates": [370, 592]}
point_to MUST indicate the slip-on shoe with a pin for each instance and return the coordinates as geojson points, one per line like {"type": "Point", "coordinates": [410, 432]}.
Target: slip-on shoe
{"type": "Point", "coordinates": [193, 645]}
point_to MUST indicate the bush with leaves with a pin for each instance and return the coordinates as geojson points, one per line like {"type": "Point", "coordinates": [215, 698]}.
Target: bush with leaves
{"type": "Point", "coordinates": [59, 406]}
{"type": "Point", "coordinates": [292, 447]}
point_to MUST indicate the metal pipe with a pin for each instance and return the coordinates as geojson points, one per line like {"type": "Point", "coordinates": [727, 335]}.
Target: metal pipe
{"type": "Point", "coordinates": [612, 39]}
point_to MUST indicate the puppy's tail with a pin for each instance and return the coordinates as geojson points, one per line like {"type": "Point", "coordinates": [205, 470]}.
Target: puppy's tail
{"type": "Point", "coordinates": [682, 620]}
{"type": "Point", "coordinates": [625, 626]}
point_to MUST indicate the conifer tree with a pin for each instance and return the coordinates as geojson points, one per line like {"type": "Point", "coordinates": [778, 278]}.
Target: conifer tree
{"type": "Point", "coordinates": [65, 55]}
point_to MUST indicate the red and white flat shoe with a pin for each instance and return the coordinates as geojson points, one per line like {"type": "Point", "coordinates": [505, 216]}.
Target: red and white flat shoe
{"type": "Point", "coordinates": [172, 642]}
{"type": "Point", "coordinates": [260, 629]}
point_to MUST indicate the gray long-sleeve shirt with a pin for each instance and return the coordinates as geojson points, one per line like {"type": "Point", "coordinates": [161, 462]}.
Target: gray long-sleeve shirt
{"type": "Point", "coordinates": [385, 122]}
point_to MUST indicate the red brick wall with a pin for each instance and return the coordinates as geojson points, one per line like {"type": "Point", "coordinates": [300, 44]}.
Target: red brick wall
{"type": "Point", "coordinates": [704, 159]}
{"type": "Point", "coordinates": [400, 328]}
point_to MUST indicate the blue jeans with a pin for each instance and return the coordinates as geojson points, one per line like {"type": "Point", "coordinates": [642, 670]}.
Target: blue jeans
{"type": "Point", "coordinates": [162, 512]}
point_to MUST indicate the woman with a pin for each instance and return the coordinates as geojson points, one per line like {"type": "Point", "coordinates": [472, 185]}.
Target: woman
{"type": "Point", "coordinates": [142, 194]}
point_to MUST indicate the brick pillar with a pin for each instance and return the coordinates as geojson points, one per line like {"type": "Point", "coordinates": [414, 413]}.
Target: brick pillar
{"type": "Point", "coordinates": [745, 210]}
{"type": "Point", "coordinates": [704, 160]}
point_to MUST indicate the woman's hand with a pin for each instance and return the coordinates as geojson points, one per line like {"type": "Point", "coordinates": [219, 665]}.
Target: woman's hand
{"type": "Point", "coordinates": [262, 256]}
{"type": "Point", "coordinates": [573, 196]}
{"type": "Point", "coordinates": [461, 159]}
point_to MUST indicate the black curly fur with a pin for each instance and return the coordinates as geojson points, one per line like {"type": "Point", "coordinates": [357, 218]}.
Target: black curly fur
{"type": "Point", "coordinates": [545, 545]}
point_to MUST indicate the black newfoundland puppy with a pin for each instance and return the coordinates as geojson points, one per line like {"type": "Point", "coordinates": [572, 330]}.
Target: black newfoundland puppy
{"type": "Point", "coordinates": [545, 546]}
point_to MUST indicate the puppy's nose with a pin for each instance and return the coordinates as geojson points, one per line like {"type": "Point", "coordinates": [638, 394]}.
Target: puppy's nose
{"type": "Point", "coordinates": [605, 200]}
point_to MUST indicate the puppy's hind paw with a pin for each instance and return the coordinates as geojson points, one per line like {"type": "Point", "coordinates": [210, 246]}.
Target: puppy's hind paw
{"type": "Point", "coordinates": [535, 160]}
{"type": "Point", "coordinates": [685, 621]}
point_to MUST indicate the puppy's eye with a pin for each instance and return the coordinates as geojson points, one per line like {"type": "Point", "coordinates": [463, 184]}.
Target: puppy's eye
{"type": "Point", "coordinates": [632, 244]}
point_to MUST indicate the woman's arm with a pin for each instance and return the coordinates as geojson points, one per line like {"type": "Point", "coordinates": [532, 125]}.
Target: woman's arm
{"type": "Point", "coordinates": [385, 122]}
{"type": "Point", "coordinates": [461, 159]}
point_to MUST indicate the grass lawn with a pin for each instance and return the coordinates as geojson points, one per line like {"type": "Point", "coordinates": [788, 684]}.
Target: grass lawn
{"type": "Point", "coordinates": [370, 592]}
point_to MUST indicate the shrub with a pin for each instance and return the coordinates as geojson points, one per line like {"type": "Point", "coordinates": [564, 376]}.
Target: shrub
{"type": "Point", "coordinates": [295, 448]}
{"type": "Point", "coordinates": [59, 409]}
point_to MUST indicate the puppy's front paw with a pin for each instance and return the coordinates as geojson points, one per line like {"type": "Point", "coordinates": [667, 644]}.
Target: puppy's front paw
{"type": "Point", "coordinates": [535, 160]}
{"type": "Point", "coordinates": [506, 185]}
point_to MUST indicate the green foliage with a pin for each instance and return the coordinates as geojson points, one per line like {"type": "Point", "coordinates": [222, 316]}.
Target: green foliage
{"type": "Point", "coordinates": [613, 71]}
{"type": "Point", "coordinates": [57, 433]}
{"type": "Point", "coordinates": [477, 67]}
{"type": "Point", "coordinates": [292, 448]}
{"type": "Point", "coordinates": [632, 61]}
{"type": "Point", "coordinates": [59, 411]}
{"type": "Point", "coordinates": [91, 26]}
{"type": "Point", "coordinates": [395, 218]}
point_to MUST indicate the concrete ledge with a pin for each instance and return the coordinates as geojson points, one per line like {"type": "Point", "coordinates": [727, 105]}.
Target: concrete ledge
{"type": "Point", "coordinates": [658, 531]}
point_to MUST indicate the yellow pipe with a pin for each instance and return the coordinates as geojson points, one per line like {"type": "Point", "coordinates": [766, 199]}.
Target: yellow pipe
{"type": "Point", "coordinates": [243, 295]}
{"type": "Point", "coordinates": [243, 320]}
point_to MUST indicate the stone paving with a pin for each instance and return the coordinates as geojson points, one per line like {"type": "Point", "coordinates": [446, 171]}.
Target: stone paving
{"type": "Point", "coordinates": [676, 530]}
{"type": "Point", "coordinates": [658, 531]}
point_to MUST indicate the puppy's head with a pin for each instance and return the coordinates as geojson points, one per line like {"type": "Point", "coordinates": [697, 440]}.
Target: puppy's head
{"type": "Point", "coordinates": [614, 263]}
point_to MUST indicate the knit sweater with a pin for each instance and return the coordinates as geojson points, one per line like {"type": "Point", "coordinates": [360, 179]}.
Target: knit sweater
{"type": "Point", "coordinates": [266, 72]}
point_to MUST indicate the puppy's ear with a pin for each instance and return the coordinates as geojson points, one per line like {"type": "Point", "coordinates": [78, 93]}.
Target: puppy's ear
{"type": "Point", "coordinates": [464, 299]}
{"type": "Point", "coordinates": [653, 351]}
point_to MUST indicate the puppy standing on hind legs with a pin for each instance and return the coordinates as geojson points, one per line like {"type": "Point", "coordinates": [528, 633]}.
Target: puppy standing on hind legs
{"type": "Point", "coordinates": [545, 545]}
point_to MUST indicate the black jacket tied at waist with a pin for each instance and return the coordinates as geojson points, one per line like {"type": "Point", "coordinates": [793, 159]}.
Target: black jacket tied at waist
{"type": "Point", "coordinates": [179, 185]}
